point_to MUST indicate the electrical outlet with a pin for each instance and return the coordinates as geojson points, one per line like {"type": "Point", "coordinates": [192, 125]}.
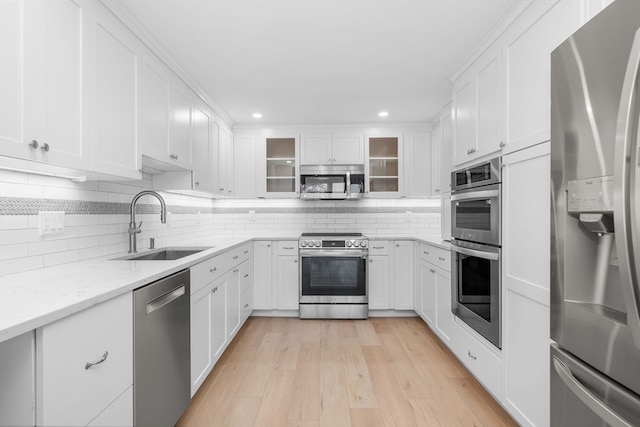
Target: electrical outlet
{"type": "Point", "coordinates": [252, 216]}
{"type": "Point", "coordinates": [51, 222]}
{"type": "Point", "coordinates": [407, 215]}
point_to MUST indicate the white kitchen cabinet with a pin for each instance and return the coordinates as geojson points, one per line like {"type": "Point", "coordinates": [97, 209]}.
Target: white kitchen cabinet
{"type": "Point", "coordinates": [43, 46]}
{"type": "Point", "coordinates": [201, 144]}
{"type": "Point", "coordinates": [224, 161]}
{"type": "Point", "coordinates": [233, 303]}
{"type": "Point", "coordinates": [246, 290]}
{"type": "Point", "coordinates": [117, 413]}
{"type": "Point", "coordinates": [102, 335]}
{"type": "Point", "coordinates": [526, 284]}
{"type": "Point", "coordinates": [201, 337]}
{"type": "Point", "coordinates": [277, 173]}
{"type": "Point", "coordinates": [477, 110]}
{"type": "Point", "coordinates": [446, 126]}
{"type": "Point", "coordinates": [379, 276]}
{"type": "Point", "coordinates": [428, 281]}
{"type": "Point", "coordinates": [444, 315]}
{"type": "Point", "coordinates": [287, 275]}
{"type": "Point", "coordinates": [384, 166]}
{"type": "Point", "coordinates": [154, 114]}
{"type": "Point", "coordinates": [113, 83]}
{"type": "Point", "coordinates": [17, 388]}
{"type": "Point", "coordinates": [244, 168]}
{"type": "Point", "coordinates": [528, 43]}
{"type": "Point", "coordinates": [263, 271]}
{"type": "Point", "coordinates": [219, 316]}
{"type": "Point", "coordinates": [332, 149]}
{"type": "Point", "coordinates": [418, 153]}
{"type": "Point", "coordinates": [436, 161]}
{"type": "Point", "coordinates": [403, 256]}
{"type": "Point", "coordinates": [180, 105]}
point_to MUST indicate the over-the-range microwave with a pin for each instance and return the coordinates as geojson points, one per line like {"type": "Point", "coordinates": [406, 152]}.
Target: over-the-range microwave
{"type": "Point", "coordinates": [331, 182]}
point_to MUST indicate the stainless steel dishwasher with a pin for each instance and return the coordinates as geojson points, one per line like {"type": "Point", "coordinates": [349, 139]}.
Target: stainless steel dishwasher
{"type": "Point", "coordinates": [162, 360]}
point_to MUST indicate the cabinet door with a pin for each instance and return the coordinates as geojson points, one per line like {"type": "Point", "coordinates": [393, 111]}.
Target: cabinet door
{"type": "Point", "coordinates": [225, 163]}
{"type": "Point", "coordinates": [233, 303]}
{"type": "Point", "coordinates": [528, 45]}
{"type": "Point", "coordinates": [155, 109]}
{"type": "Point", "coordinates": [201, 144]}
{"type": "Point", "coordinates": [403, 272]}
{"type": "Point", "coordinates": [384, 167]}
{"type": "Point", "coordinates": [464, 120]}
{"type": "Point", "coordinates": [244, 168]}
{"type": "Point", "coordinates": [428, 280]}
{"type": "Point", "coordinates": [118, 414]}
{"type": "Point", "coordinates": [201, 336]}
{"type": "Point", "coordinates": [17, 388]}
{"type": "Point", "coordinates": [219, 317]}
{"type": "Point", "coordinates": [179, 126]}
{"type": "Point", "coordinates": [115, 69]}
{"type": "Point", "coordinates": [66, 346]}
{"type": "Point", "coordinates": [444, 316]}
{"type": "Point", "coordinates": [378, 275]}
{"type": "Point", "coordinates": [526, 283]}
{"type": "Point", "coordinates": [446, 124]}
{"type": "Point", "coordinates": [315, 149]}
{"type": "Point", "coordinates": [289, 294]}
{"type": "Point", "coordinates": [489, 107]}
{"type": "Point", "coordinates": [42, 84]}
{"type": "Point", "coordinates": [262, 271]}
{"type": "Point", "coordinates": [445, 216]}
{"type": "Point", "coordinates": [417, 153]}
{"type": "Point", "coordinates": [436, 160]}
{"type": "Point", "coordinates": [347, 149]}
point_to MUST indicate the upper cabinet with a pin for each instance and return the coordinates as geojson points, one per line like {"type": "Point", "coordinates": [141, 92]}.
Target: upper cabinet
{"type": "Point", "coordinates": [224, 165]}
{"type": "Point", "coordinates": [281, 175]}
{"type": "Point", "coordinates": [43, 46]}
{"type": "Point", "coordinates": [528, 44]}
{"type": "Point", "coordinates": [332, 149]}
{"type": "Point", "coordinates": [477, 109]}
{"type": "Point", "coordinates": [201, 144]}
{"type": "Point", "coordinates": [384, 165]}
{"type": "Point", "coordinates": [417, 153]}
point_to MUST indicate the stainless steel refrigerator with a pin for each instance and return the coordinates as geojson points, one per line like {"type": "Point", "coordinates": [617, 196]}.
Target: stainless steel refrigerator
{"type": "Point", "coordinates": [595, 222]}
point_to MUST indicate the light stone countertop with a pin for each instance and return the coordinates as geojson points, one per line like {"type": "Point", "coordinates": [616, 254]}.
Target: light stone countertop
{"type": "Point", "coordinates": [33, 299]}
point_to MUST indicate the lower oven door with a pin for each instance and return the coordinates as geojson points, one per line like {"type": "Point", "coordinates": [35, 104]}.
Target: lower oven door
{"type": "Point", "coordinates": [475, 281]}
{"type": "Point", "coordinates": [333, 277]}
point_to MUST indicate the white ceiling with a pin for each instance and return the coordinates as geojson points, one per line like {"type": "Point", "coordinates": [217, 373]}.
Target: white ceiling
{"type": "Point", "coordinates": [320, 61]}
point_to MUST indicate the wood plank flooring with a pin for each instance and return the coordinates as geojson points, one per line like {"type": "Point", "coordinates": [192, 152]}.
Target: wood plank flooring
{"type": "Point", "coordinates": [331, 373]}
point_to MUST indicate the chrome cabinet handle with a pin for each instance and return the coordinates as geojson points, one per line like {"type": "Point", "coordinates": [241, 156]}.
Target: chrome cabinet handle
{"type": "Point", "coordinates": [220, 189]}
{"type": "Point", "coordinates": [288, 247]}
{"type": "Point", "coordinates": [502, 144]}
{"type": "Point", "coordinates": [471, 150]}
{"type": "Point", "coordinates": [33, 144]}
{"type": "Point", "coordinates": [235, 257]}
{"type": "Point", "coordinates": [397, 245]}
{"type": "Point", "coordinates": [437, 190]}
{"type": "Point", "coordinates": [425, 252]}
{"type": "Point", "coordinates": [197, 182]}
{"type": "Point", "coordinates": [378, 247]}
{"type": "Point", "coordinates": [268, 246]}
{"type": "Point", "coordinates": [246, 252]}
{"type": "Point", "coordinates": [215, 289]}
{"type": "Point", "coordinates": [471, 355]}
{"type": "Point", "coordinates": [246, 305]}
{"type": "Point", "coordinates": [432, 271]}
{"type": "Point", "coordinates": [213, 270]}
{"type": "Point", "coordinates": [235, 270]}
{"type": "Point", "coordinates": [441, 258]}
{"type": "Point", "coordinates": [296, 261]}
{"type": "Point", "coordinates": [104, 357]}
{"type": "Point", "coordinates": [45, 147]}
{"type": "Point", "coordinates": [173, 156]}
{"type": "Point", "coordinates": [246, 275]}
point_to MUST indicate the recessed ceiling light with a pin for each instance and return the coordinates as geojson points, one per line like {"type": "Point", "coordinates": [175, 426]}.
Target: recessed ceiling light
{"type": "Point", "coordinates": [383, 114]}
{"type": "Point", "coordinates": [257, 115]}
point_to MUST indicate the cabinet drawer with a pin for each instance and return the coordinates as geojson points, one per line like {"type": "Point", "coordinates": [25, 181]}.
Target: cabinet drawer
{"type": "Point", "coordinates": [209, 270]}
{"type": "Point", "coordinates": [68, 391]}
{"type": "Point", "coordinates": [379, 247]}
{"type": "Point", "coordinates": [287, 247]}
{"type": "Point", "coordinates": [241, 254]}
{"type": "Point", "coordinates": [483, 363]}
{"type": "Point", "coordinates": [246, 276]}
{"type": "Point", "coordinates": [436, 256]}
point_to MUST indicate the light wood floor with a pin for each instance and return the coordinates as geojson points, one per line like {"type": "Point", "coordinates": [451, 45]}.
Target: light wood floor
{"type": "Point", "coordinates": [315, 373]}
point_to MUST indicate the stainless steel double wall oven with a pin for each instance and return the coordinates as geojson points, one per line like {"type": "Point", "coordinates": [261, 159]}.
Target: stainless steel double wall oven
{"type": "Point", "coordinates": [476, 248]}
{"type": "Point", "coordinates": [333, 276]}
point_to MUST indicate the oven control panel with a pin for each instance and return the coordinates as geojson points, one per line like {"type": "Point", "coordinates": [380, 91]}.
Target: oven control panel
{"type": "Point", "coordinates": [332, 243]}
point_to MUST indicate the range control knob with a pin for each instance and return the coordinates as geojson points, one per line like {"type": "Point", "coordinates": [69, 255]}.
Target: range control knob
{"type": "Point", "coordinates": [363, 244]}
{"type": "Point", "coordinates": [349, 243]}
{"type": "Point", "coordinates": [303, 244]}
{"type": "Point", "coordinates": [318, 243]}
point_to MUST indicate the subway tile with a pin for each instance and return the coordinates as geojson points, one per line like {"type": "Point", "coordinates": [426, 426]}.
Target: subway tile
{"type": "Point", "coordinates": [61, 258]}
{"type": "Point", "coordinates": [84, 242]}
{"type": "Point", "coordinates": [9, 189]}
{"type": "Point", "coordinates": [12, 237]}
{"type": "Point", "coordinates": [20, 265]}
{"type": "Point", "coordinates": [14, 222]}
{"type": "Point", "coordinates": [48, 247]}
{"type": "Point", "coordinates": [14, 251]}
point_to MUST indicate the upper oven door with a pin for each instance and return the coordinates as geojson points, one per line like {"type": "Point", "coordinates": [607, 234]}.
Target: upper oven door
{"type": "Point", "coordinates": [485, 173]}
{"type": "Point", "coordinates": [333, 276]}
{"type": "Point", "coordinates": [475, 215]}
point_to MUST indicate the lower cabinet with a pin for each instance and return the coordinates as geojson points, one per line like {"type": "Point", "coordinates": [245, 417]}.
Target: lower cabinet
{"type": "Point", "coordinates": [17, 381]}
{"type": "Point", "coordinates": [403, 274]}
{"type": "Point", "coordinates": [378, 275]}
{"type": "Point", "coordinates": [218, 308]}
{"type": "Point", "coordinates": [428, 285]}
{"type": "Point", "coordinates": [84, 363]}
{"type": "Point", "coordinates": [287, 275]}
{"type": "Point", "coordinates": [263, 273]}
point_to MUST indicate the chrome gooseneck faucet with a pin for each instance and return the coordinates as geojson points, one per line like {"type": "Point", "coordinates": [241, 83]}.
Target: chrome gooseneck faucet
{"type": "Point", "coordinates": [135, 229]}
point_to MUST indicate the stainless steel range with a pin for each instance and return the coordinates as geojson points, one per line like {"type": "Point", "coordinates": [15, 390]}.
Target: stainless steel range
{"type": "Point", "coordinates": [333, 276]}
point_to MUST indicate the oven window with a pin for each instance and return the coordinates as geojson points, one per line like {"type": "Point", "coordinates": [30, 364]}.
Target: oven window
{"type": "Point", "coordinates": [474, 285]}
{"type": "Point", "coordinates": [473, 214]}
{"type": "Point", "coordinates": [333, 275]}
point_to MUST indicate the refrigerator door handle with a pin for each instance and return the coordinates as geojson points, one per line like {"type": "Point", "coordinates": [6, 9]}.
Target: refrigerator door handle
{"type": "Point", "coordinates": [588, 398]}
{"type": "Point", "coordinates": [626, 209]}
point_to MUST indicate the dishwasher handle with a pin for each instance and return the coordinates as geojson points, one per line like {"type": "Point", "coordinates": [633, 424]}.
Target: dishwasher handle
{"type": "Point", "coordinates": [164, 299]}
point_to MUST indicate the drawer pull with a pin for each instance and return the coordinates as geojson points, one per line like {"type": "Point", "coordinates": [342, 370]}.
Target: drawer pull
{"type": "Point", "coordinates": [213, 270]}
{"type": "Point", "coordinates": [104, 357]}
{"type": "Point", "coordinates": [432, 271]}
{"type": "Point", "coordinates": [246, 305]}
{"type": "Point", "coordinates": [215, 289]}
{"type": "Point", "coordinates": [471, 355]}
{"type": "Point", "coordinates": [235, 270]}
{"type": "Point", "coordinates": [246, 275]}
{"type": "Point", "coordinates": [246, 252]}
{"type": "Point", "coordinates": [378, 247]}
{"type": "Point", "coordinates": [288, 247]}
{"type": "Point", "coordinates": [235, 257]}
{"type": "Point", "coordinates": [425, 252]}
{"type": "Point", "coordinates": [33, 144]}
{"type": "Point", "coordinates": [173, 156]}
{"type": "Point", "coordinates": [441, 258]}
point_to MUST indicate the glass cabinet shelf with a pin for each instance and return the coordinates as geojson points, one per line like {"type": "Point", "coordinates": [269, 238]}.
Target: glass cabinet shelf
{"type": "Point", "coordinates": [281, 165]}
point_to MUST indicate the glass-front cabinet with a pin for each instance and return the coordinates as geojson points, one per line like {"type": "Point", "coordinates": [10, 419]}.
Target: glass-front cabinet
{"type": "Point", "coordinates": [384, 167]}
{"type": "Point", "coordinates": [281, 170]}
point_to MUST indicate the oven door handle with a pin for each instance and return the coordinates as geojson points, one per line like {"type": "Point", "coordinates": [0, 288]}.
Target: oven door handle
{"type": "Point", "coordinates": [470, 195]}
{"type": "Point", "coordinates": [478, 254]}
{"type": "Point", "coordinates": [321, 253]}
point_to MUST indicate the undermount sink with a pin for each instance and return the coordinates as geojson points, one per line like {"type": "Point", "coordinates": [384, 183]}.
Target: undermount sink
{"type": "Point", "coordinates": [164, 254]}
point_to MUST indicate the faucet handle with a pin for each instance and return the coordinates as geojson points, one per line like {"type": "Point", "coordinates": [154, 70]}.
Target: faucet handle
{"type": "Point", "coordinates": [140, 225]}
